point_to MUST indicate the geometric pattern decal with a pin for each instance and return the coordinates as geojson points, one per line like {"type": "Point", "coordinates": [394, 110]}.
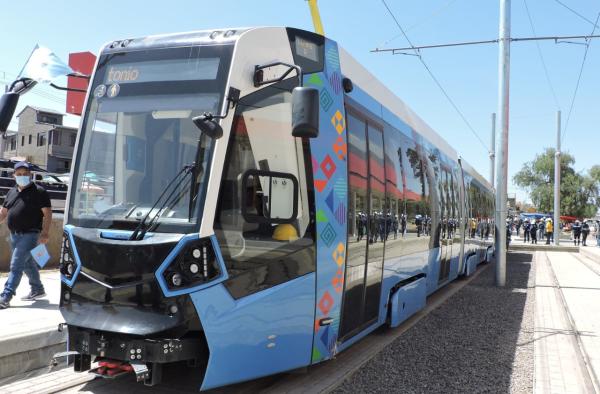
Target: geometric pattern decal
{"type": "Point", "coordinates": [328, 166]}
{"type": "Point", "coordinates": [340, 188]}
{"type": "Point", "coordinates": [340, 148]}
{"type": "Point", "coordinates": [315, 80]}
{"type": "Point", "coordinates": [332, 57]}
{"type": "Point", "coordinates": [336, 82]}
{"type": "Point", "coordinates": [326, 100]}
{"type": "Point", "coordinates": [325, 336]}
{"type": "Point", "coordinates": [338, 281]}
{"type": "Point", "coordinates": [340, 213]}
{"type": "Point", "coordinates": [326, 303]}
{"type": "Point", "coordinates": [337, 120]}
{"type": "Point", "coordinates": [320, 184]}
{"type": "Point", "coordinates": [329, 201]}
{"type": "Point", "coordinates": [321, 217]}
{"type": "Point", "coordinates": [328, 235]}
{"type": "Point", "coordinates": [329, 153]}
{"type": "Point", "coordinates": [339, 254]}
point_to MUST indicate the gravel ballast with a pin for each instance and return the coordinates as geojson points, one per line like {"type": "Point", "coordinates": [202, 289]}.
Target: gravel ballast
{"type": "Point", "coordinates": [479, 341]}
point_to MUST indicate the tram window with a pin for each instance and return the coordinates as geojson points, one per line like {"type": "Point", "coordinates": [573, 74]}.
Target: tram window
{"type": "Point", "coordinates": [407, 192]}
{"type": "Point", "coordinates": [259, 254]}
{"type": "Point", "coordinates": [416, 195]}
{"type": "Point", "coordinates": [273, 197]}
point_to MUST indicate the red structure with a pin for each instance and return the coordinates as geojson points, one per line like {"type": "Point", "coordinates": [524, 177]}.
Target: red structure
{"type": "Point", "coordinates": [82, 62]}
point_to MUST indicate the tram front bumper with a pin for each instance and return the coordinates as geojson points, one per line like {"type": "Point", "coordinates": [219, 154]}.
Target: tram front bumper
{"type": "Point", "coordinates": [133, 349]}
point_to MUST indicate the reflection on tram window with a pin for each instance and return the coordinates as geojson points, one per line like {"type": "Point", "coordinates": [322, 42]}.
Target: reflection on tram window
{"type": "Point", "coordinates": [407, 194]}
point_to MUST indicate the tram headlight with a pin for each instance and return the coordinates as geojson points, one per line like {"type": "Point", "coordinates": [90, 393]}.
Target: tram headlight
{"type": "Point", "coordinates": [176, 279]}
{"type": "Point", "coordinates": [67, 261]}
{"type": "Point", "coordinates": [194, 265]}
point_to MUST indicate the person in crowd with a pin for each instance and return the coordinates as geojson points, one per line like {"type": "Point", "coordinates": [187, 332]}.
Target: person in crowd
{"type": "Point", "coordinates": [576, 232]}
{"type": "Point", "coordinates": [585, 231]}
{"type": "Point", "coordinates": [28, 212]}
{"type": "Point", "coordinates": [419, 224]}
{"type": "Point", "coordinates": [533, 230]}
{"type": "Point", "coordinates": [549, 230]}
{"type": "Point", "coordinates": [598, 233]}
{"type": "Point", "coordinates": [508, 233]}
{"type": "Point", "coordinates": [518, 226]}
{"type": "Point", "coordinates": [541, 229]}
{"type": "Point", "coordinates": [526, 230]}
{"type": "Point", "coordinates": [403, 225]}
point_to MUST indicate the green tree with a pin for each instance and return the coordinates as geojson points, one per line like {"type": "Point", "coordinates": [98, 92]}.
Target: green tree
{"type": "Point", "coordinates": [579, 193]}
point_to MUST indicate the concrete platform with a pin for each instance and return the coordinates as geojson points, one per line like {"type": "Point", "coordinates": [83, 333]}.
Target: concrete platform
{"type": "Point", "coordinates": [567, 323]}
{"type": "Point", "coordinates": [523, 247]}
{"type": "Point", "coordinates": [29, 335]}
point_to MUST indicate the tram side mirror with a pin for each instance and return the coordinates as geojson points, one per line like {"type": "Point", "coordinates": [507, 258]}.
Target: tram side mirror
{"type": "Point", "coordinates": [209, 126]}
{"type": "Point", "coordinates": [305, 112]}
{"type": "Point", "coordinates": [8, 104]}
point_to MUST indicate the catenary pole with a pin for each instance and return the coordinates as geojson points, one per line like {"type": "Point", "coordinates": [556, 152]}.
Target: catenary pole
{"type": "Point", "coordinates": [557, 183]}
{"type": "Point", "coordinates": [493, 150]}
{"type": "Point", "coordinates": [502, 157]}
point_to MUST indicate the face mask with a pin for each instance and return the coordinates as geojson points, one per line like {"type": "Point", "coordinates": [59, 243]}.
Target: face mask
{"type": "Point", "coordinates": [22, 180]}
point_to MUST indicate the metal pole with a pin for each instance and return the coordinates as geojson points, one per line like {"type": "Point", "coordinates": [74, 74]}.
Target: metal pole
{"type": "Point", "coordinates": [502, 157]}
{"type": "Point", "coordinates": [557, 183]}
{"type": "Point", "coordinates": [493, 150]}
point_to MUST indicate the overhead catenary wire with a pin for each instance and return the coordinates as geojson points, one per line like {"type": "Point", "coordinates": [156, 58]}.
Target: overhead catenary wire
{"type": "Point", "coordinates": [437, 82]}
{"type": "Point", "coordinates": [398, 51]}
{"type": "Point", "coordinates": [587, 47]}
{"type": "Point", "coordinates": [433, 14]}
{"type": "Point", "coordinates": [577, 13]}
{"type": "Point", "coordinates": [539, 50]}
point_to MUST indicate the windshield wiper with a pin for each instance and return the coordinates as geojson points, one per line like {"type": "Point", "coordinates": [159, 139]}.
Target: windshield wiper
{"type": "Point", "coordinates": [142, 227]}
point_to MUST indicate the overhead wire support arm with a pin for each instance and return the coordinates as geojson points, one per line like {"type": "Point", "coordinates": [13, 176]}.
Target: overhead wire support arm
{"type": "Point", "coordinates": [556, 39]}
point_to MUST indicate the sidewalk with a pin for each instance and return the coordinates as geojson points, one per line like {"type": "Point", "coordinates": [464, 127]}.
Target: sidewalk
{"type": "Point", "coordinates": [28, 334]}
{"type": "Point", "coordinates": [567, 321]}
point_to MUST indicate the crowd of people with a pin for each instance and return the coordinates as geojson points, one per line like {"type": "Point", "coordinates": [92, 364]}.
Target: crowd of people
{"type": "Point", "coordinates": [381, 226]}
{"type": "Point", "coordinates": [538, 229]}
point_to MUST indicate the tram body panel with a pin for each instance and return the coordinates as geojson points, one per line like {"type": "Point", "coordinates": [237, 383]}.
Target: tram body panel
{"type": "Point", "coordinates": [258, 335]}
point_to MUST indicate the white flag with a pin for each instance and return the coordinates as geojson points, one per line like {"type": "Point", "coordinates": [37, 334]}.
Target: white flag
{"type": "Point", "coordinates": [44, 66]}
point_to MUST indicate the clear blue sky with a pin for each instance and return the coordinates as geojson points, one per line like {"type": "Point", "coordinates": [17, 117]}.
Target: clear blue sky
{"type": "Point", "coordinates": [469, 74]}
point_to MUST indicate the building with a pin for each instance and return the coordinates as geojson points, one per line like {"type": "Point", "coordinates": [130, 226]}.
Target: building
{"type": "Point", "coordinates": [41, 139]}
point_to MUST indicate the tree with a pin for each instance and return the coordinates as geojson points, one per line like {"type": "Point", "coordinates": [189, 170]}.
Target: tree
{"type": "Point", "coordinates": [579, 193]}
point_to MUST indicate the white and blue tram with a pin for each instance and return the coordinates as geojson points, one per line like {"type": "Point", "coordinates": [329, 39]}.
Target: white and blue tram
{"type": "Point", "coordinates": [228, 237]}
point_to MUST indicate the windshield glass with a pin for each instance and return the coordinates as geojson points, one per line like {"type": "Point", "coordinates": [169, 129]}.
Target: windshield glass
{"type": "Point", "coordinates": [138, 134]}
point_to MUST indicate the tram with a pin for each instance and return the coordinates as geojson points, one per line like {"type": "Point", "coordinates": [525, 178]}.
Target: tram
{"type": "Point", "coordinates": [269, 203]}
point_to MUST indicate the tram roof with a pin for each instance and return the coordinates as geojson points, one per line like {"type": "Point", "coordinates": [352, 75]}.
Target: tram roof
{"type": "Point", "coordinates": [361, 77]}
{"type": "Point", "coordinates": [471, 171]}
{"type": "Point", "coordinates": [198, 37]}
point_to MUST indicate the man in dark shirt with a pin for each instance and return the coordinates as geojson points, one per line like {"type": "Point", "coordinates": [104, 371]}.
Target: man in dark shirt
{"type": "Point", "coordinates": [27, 207]}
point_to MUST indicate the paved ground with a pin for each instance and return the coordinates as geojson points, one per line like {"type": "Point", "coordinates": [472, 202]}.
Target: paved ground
{"type": "Point", "coordinates": [24, 316]}
{"type": "Point", "coordinates": [28, 334]}
{"type": "Point", "coordinates": [539, 334]}
{"type": "Point", "coordinates": [480, 340]}
{"type": "Point", "coordinates": [567, 347]}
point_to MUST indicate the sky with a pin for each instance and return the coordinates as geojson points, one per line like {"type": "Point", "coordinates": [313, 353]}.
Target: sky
{"type": "Point", "coordinates": [468, 74]}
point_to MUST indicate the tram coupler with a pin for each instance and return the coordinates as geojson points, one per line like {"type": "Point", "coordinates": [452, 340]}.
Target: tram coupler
{"type": "Point", "coordinates": [57, 356]}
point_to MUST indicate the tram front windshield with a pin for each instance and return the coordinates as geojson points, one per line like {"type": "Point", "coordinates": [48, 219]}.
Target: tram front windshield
{"type": "Point", "coordinates": [138, 134]}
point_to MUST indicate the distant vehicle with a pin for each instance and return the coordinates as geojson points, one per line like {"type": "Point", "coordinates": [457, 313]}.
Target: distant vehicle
{"type": "Point", "coordinates": [55, 186]}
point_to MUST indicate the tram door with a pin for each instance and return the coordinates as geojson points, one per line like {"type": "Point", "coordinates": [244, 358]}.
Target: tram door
{"type": "Point", "coordinates": [367, 227]}
{"type": "Point", "coordinates": [446, 224]}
